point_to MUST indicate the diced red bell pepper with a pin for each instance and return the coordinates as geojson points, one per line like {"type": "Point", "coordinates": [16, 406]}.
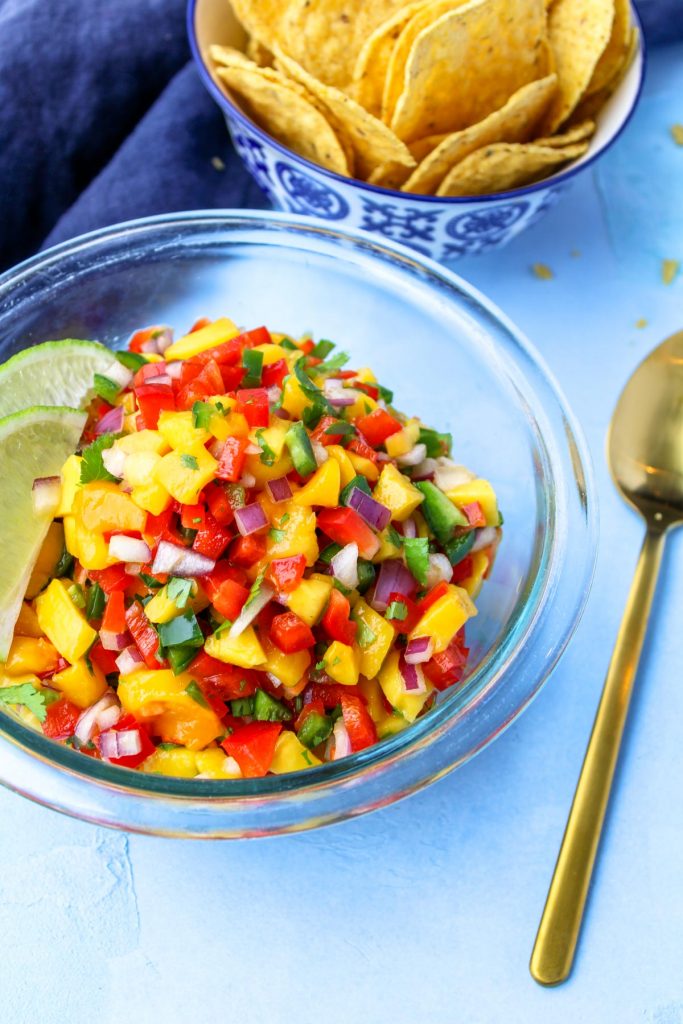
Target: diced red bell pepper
{"type": "Point", "coordinates": [290, 634]}
{"type": "Point", "coordinates": [463, 569]}
{"type": "Point", "coordinates": [113, 578]}
{"type": "Point", "coordinates": [320, 433]}
{"type": "Point", "coordinates": [337, 621]}
{"type": "Point", "coordinates": [203, 321]}
{"type": "Point", "coordinates": [114, 618]}
{"type": "Point", "coordinates": [360, 446]}
{"type": "Point", "coordinates": [314, 707]}
{"type": "Point", "coordinates": [447, 668]}
{"type": "Point", "coordinates": [274, 374]}
{"type": "Point", "coordinates": [253, 404]}
{"type": "Point", "coordinates": [440, 590]}
{"type": "Point", "coordinates": [192, 516]}
{"type": "Point", "coordinates": [253, 747]}
{"type": "Point", "coordinates": [230, 352]}
{"type": "Point", "coordinates": [377, 426]}
{"type": "Point", "coordinates": [145, 636]}
{"type": "Point", "coordinates": [148, 370]}
{"type": "Point", "coordinates": [307, 346]}
{"type": "Point", "coordinates": [412, 618]}
{"type": "Point", "coordinates": [330, 694]}
{"type": "Point", "coordinates": [212, 539]}
{"type": "Point", "coordinates": [231, 463]}
{"type": "Point", "coordinates": [219, 504]}
{"type": "Point", "coordinates": [207, 383]}
{"type": "Point", "coordinates": [232, 377]}
{"type": "Point", "coordinates": [247, 551]}
{"type": "Point", "coordinates": [225, 593]}
{"type": "Point", "coordinates": [345, 526]}
{"type": "Point", "coordinates": [221, 681]}
{"type": "Point", "coordinates": [129, 723]}
{"type": "Point", "coordinates": [359, 725]}
{"type": "Point", "coordinates": [141, 337]}
{"type": "Point", "coordinates": [475, 514]}
{"type": "Point", "coordinates": [287, 573]}
{"type": "Point", "coordinates": [189, 371]}
{"type": "Point", "coordinates": [153, 399]}
{"type": "Point", "coordinates": [105, 660]}
{"type": "Point", "coordinates": [369, 389]}
{"type": "Point", "coordinates": [61, 719]}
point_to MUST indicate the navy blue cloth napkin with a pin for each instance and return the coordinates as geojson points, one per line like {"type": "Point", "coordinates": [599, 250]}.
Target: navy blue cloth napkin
{"type": "Point", "coordinates": [103, 118]}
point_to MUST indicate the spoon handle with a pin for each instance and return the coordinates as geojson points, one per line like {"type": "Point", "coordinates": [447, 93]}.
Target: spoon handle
{"type": "Point", "coordinates": [558, 931]}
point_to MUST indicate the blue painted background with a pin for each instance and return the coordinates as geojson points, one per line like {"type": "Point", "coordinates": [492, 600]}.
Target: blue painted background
{"type": "Point", "coordinates": [425, 912]}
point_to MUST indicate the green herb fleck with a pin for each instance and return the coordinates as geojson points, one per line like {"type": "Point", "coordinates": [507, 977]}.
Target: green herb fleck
{"type": "Point", "coordinates": [27, 695]}
{"type": "Point", "coordinates": [277, 535]}
{"type": "Point", "coordinates": [150, 581]}
{"type": "Point", "coordinates": [365, 635]}
{"type": "Point", "coordinates": [341, 428]}
{"type": "Point", "coordinates": [179, 591]}
{"type": "Point", "coordinates": [189, 461]}
{"type": "Point", "coordinates": [192, 690]}
{"type": "Point", "coordinates": [322, 349]}
{"type": "Point", "coordinates": [92, 466]}
{"type": "Point", "coordinates": [268, 456]}
{"type": "Point", "coordinates": [397, 610]}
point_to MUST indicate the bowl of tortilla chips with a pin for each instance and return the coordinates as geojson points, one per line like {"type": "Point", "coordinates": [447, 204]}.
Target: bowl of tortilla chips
{"type": "Point", "coordinates": [447, 125]}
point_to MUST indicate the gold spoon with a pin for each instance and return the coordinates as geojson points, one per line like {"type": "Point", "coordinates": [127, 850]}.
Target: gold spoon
{"type": "Point", "coordinates": [645, 454]}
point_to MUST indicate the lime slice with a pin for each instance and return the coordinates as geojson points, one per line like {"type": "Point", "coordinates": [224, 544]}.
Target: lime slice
{"type": "Point", "coordinates": [33, 443]}
{"type": "Point", "coordinates": [54, 373]}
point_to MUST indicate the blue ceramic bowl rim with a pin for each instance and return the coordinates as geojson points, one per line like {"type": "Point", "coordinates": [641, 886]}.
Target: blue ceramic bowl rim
{"type": "Point", "coordinates": [325, 778]}
{"type": "Point", "coordinates": [556, 180]}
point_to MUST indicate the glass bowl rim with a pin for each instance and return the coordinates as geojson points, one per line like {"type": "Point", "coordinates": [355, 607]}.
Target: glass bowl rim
{"type": "Point", "coordinates": [424, 732]}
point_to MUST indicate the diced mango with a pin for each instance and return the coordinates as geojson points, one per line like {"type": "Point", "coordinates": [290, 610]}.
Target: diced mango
{"type": "Point", "coordinates": [184, 474]}
{"type": "Point", "coordinates": [178, 429]}
{"type": "Point", "coordinates": [244, 650]}
{"type": "Point", "coordinates": [403, 440]}
{"type": "Point", "coordinates": [291, 755]}
{"type": "Point", "coordinates": [309, 599]}
{"type": "Point", "coordinates": [361, 407]}
{"type": "Point", "coordinates": [63, 623]}
{"type": "Point", "coordinates": [27, 624]}
{"type": "Point", "coordinates": [296, 536]}
{"type": "Point", "coordinates": [92, 550]}
{"type": "Point", "coordinates": [288, 668]}
{"type": "Point", "coordinates": [71, 481]}
{"type": "Point", "coordinates": [143, 441]}
{"type": "Point", "coordinates": [176, 716]}
{"type": "Point", "coordinates": [70, 535]}
{"type": "Point", "coordinates": [342, 663]}
{"type": "Point", "coordinates": [477, 490]}
{"type": "Point", "coordinates": [152, 497]}
{"type": "Point", "coordinates": [261, 472]}
{"type": "Point", "coordinates": [178, 762]}
{"type": "Point", "coordinates": [365, 375]}
{"type": "Point", "coordinates": [391, 681]}
{"type": "Point", "coordinates": [216, 333]}
{"type": "Point", "coordinates": [480, 564]}
{"type": "Point", "coordinates": [139, 467]}
{"type": "Point", "coordinates": [80, 683]}
{"type": "Point", "coordinates": [322, 488]}
{"type": "Point", "coordinates": [215, 764]}
{"type": "Point", "coordinates": [101, 506]}
{"type": "Point", "coordinates": [28, 654]}
{"type": "Point", "coordinates": [232, 425]}
{"type": "Point", "coordinates": [274, 436]}
{"type": "Point", "coordinates": [364, 467]}
{"type": "Point", "coordinates": [387, 722]}
{"type": "Point", "coordinates": [374, 641]}
{"type": "Point", "coordinates": [163, 608]}
{"type": "Point", "coordinates": [396, 492]}
{"type": "Point", "coordinates": [387, 548]}
{"type": "Point", "coordinates": [271, 353]}
{"type": "Point", "coordinates": [346, 468]}
{"type": "Point", "coordinates": [46, 563]}
{"type": "Point", "coordinates": [294, 399]}
{"type": "Point", "coordinates": [445, 617]}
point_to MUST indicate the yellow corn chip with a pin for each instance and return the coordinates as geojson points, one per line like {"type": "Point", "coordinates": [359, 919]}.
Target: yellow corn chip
{"type": "Point", "coordinates": [373, 143]}
{"type": "Point", "coordinates": [389, 175]}
{"type": "Point", "coordinates": [505, 166]}
{"type": "Point", "coordinates": [421, 148]}
{"type": "Point", "coordinates": [579, 31]}
{"type": "Point", "coordinates": [286, 115]}
{"type": "Point", "coordinates": [468, 63]}
{"type": "Point", "coordinates": [259, 53]}
{"type": "Point", "coordinates": [615, 52]}
{"type": "Point", "coordinates": [371, 68]}
{"type": "Point", "coordinates": [515, 122]}
{"type": "Point", "coordinates": [583, 130]}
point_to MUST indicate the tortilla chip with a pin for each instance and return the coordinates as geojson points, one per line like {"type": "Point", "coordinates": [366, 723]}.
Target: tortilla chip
{"type": "Point", "coordinates": [584, 130]}
{"type": "Point", "coordinates": [468, 63]}
{"type": "Point", "coordinates": [579, 31]}
{"type": "Point", "coordinates": [505, 166]}
{"type": "Point", "coordinates": [395, 73]}
{"type": "Point", "coordinates": [370, 72]}
{"type": "Point", "coordinates": [515, 122]}
{"type": "Point", "coordinates": [616, 50]}
{"type": "Point", "coordinates": [389, 175]}
{"type": "Point", "coordinates": [259, 53]}
{"type": "Point", "coordinates": [286, 114]}
{"type": "Point", "coordinates": [421, 148]}
{"type": "Point", "coordinates": [591, 105]}
{"type": "Point", "coordinates": [373, 143]}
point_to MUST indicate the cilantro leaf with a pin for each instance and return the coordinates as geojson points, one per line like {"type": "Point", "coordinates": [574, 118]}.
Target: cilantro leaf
{"type": "Point", "coordinates": [192, 690]}
{"type": "Point", "coordinates": [201, 414]}
{"type": "Point", "coordinates": [277, 535]}
{"type": "Point", "coordinates": [179, 591]}
{"type": "Point", "coordinates": [397, 610]}
{"type": "Point", "coordinates": [341, 427]}
{"type": "Point", "coordinates": [365, 636]}
{"type": "Point", "coordinates": [322, 349]}
{"type": "Point", "coordinates": [92, 467]}
{"type": "Point", "coordinates": [150, 581]}
{"type": "Point", "coordinates": [189, 461]}
{"type": "Point", "coordinates": [268, 456]}
{"type": "Point", "coordinates": [417, 557]}
{"type": "Point", "coordinates": [255, 589]}
{"type": "Point", "coordinates": [27, 695]}
{"type": "Point", "coordinates": [394, 537]}
{"type": "Point", "coordinates": [385, 393]}
{"type": "Point", "coordinates": [335, 363]}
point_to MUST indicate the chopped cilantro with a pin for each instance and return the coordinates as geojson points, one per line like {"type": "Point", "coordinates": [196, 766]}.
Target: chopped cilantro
{"type": "Point", "coordinates": [189, 461]}
{"type": "Point", "coordinates": [268, 456]}
{"type": "Point", "coordinates": [242, 706]}
{"type": "Point", "coordinates": [201, 414]}
{"type": "Point", "coordinates": [179, 591]}
{"type": "Point", "coordinates": [277, 535]}
{"type": "Point", "coordinates": [307, 757]}
{"type": "Point", "coordinates": [385, 393]}
{"type": "Point", "coordinates": [322, 349]}
{"type": "Point", "coordinates": [150, 581]}
{"type": "Point", "coordinates": [284, 519]}
{"type": "Point", "coordinates": [335, 363]}
{"type": "Point", "coordinates": [320, 665]}
{"type": "Point", "coordinates": [255, 589]}
{"type": "Point", "coordinates": [106, 388]}
{"type": "Point", "coordinates": [223, 628]}
{"type": "Point", "coordinates": [397, 610]}
{"type": "Point", "coordinates": [92, 467]}
{"type": "Point", "coordinates": [27, 695]}
{"type": "Point", "coordinates": [365, 635]}
{"type": "Point", "coordinates": [341, 427]}
{"type": "Point", "coordinates": [169, 746]}
{"type": "Point", "coordinates": [192, 690]}
{"type": "Point", "coordinates": [417, 557]}
{"type": "Point", "coordinates": [394, 537]}
{"type": "Point", "coordinates": [435, 442]}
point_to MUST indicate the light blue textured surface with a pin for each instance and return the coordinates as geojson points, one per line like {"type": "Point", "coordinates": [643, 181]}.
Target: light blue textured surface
{"type": "Point", "coordinates": [425, 912]}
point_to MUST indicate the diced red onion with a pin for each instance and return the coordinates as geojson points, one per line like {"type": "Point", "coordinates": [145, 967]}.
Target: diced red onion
{"type": "Point", "coordinates": [134, 568]}
{"type": "Point", "coordinates": [393, 578]}
{"type": "Point", "coordinates": [425, 470]}
{"type": "Point", "coordinates": [320, 452]}
{"type": "Point", "coordinates": [383, 457]}
{"type": "Point", "coordinates": [129, 660]}
{"type": "Point", "coordinates": [414, 457]}
{"type": "Point", "coordinates": [248, 480]}
{"type": "Point", "coordinates": [113, 641]}
{"type": "Point", "coordinates": [111, 422]}
{"type": "Point", "coordinates": [375, 514]}
{"type": "Point", "coordinates": [440, 569]}
{"type": "Point", "coordinates": [345, 566]}
{"type": "Point", "coordinates": [251, 610]}
{"type": "Point", "coordinates": [114, 461]}
{"type": "Point", "coordinates": [250, 519]}
{"type": "Point", "coordinates": [409, 528]}
{"type": "Point", "coordinates": [129, 549]}
{"type": "Point", "coordinates": [447, 475]}
{"type": "Point", "coordinates": [126, 743]}
{"type": "Point", "coordinates": [419, 650]}
{"type": "Point", "coordinates": [487, 535]}
{"type": "Point", "coordinates": [177, 561]}
{"type": "Point", "coordinates": [281, 414]}
{"type": "Point", "coordinates": [174, 369]}
{"type": "Point", "coordinates": [119, 373]}
{"type": "Point", "coordinates": [164, 339]}
{"type": "Point", "coordinates": [342, 741]}
{"type": "Point", "coordinates": [273, 393]}
{"type": "Point", "coordinates": [216, 448]}
{"type": "Point", "coordinates": [413, 678]}
{"type": "Point", "coordinates": [93, 717]}
{"type": "Point", "coordinates": [337, 395]}
{"type": "Point", "coordinates": [160, 378]}
{"type": "Point", "coordinates": [277, 683]}
{"type": "Point", "coordinates": [279, 490]}
{"type": "Point", "coordinates": [45, 495]}
{"type": "Point", "coordinates": [252, 449]}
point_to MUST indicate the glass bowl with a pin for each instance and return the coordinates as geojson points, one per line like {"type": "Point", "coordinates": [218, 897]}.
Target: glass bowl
{"type": "Point", "coordinates": [452, 358]}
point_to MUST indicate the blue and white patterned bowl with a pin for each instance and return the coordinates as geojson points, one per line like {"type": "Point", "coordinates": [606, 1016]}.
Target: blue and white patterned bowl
{"type": "Point", "coordinates": [439, 227]}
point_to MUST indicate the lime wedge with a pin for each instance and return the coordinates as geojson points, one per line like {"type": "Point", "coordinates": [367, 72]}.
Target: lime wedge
{"type": "Point", "coordinates": [33, 443]}
{"type": "Point", "coordinates": [54, 373]}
